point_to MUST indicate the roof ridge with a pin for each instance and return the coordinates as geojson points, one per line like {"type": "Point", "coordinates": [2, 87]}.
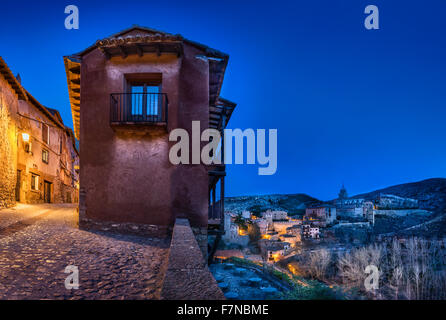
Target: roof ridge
{"type": "Point", "coordinates": [135, 27]}
{"type": "Point", "coordinates": [11, 79]}
{"type": "Point", "coordinates": [208, 50]}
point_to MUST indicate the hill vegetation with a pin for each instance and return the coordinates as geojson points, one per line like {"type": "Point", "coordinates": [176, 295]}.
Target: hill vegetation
{"type": "Point", "coordinates": [294, 204]}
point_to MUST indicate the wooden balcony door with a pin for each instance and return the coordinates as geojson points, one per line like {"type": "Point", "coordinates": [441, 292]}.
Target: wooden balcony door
{"type": "Point", "coordinates": [47, 192]}
{"type": "Point", "coordinates": [145, 102]}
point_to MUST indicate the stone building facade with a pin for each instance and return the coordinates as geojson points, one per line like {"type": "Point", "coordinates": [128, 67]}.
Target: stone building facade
{"type": "Point", "coordinates": [326, 213]}
{"type": "Point", "coordinates": [350, 208]}
{"type": "Point", "coordinates": [38, 155]}
{"type": "Point", "coordinates": [271, 216]}
{"type": "Point", "coordinates": [10, 91]}
{"type": "Point", "coordinates": [233, 233]}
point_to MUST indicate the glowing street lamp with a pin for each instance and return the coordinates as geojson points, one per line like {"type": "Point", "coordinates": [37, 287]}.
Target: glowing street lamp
{"type": "Point", "coordinates": [27, 143]}
{"type": "Point", "coordinates": [25, 137]}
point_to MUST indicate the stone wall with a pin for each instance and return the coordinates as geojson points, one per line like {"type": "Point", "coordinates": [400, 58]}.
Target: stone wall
{"type": "Point", "coordinates": [8, 145]}
{"type": "Point", "coordinates": [354, 212]}
{"type": "Point", "coordinates": [392, 202]}
{"type": "Point", "coordinates": [7, 169]}
{"type": "Point", "coordinates": [201, 235]}
{"type": "Point", "coordinates": [127, 227]}
{"type": "Point", "coordinates": [401, 213]}
{"type": "Point", "coordinates": [187, 276]}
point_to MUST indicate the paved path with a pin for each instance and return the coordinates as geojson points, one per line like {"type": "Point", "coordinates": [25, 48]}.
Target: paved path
{"type": "Point", "coordinates": [37, 243]}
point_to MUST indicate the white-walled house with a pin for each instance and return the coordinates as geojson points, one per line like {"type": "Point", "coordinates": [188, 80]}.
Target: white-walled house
{"type": "Point", "coordinates": [311, 232]}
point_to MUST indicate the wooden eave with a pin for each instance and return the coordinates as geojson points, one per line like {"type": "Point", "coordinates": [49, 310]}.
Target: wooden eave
{"type": "Point", "coordinates": [140, 48]}
{"type": "Point", "coordinates": [72, 69]}
{"type": "Point", "coordinates": [217, 112]}
{"type": "Point", "coordinates": [217, 69]}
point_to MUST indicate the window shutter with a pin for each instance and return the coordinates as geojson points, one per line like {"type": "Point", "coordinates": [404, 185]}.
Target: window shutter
{"type": "Point", "coordinates": [45, 134]}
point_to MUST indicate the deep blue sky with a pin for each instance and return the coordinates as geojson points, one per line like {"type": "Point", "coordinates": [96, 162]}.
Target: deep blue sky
{"type": "Point", "coordinates": [362, 107]}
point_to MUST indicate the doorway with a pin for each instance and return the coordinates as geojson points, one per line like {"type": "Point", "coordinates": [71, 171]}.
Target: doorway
{"type": "Point", "coordinates": [47, 192]}
{"type": "Point", "coordinates": [17, 186]}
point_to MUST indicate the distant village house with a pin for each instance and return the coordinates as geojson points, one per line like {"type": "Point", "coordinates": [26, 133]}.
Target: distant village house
{"type": "Point", "coordinates": [310, 231]}
{"type": "Point", "coordinates": [324, 213]}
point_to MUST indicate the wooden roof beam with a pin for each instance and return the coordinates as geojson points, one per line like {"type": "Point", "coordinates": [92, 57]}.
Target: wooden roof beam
{"type": "Point", "coordinates": [123, 52]}
{"type": "Point", "coordinates": [106, 53]}
{"type": "Point", "coordinates": [139, 50]}
{"type": "Point", "coordinates": [180, 50]}
{"type": "Point", "coordinates": [76, 70]}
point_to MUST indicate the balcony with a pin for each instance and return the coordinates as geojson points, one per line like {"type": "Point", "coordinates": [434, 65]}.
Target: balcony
{"type": "Point", "coordinates": [215, 212]}
{"type": "Point", "coordinates": [138, 108]}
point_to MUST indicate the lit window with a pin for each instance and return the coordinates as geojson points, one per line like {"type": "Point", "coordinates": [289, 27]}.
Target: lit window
{"type": "Point", "coordinates": [34, 182]}
{"type": "Point", "coordinates": [45, 156]}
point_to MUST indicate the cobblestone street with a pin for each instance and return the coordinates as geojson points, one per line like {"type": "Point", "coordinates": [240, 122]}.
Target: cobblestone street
{"type": "Point", "coordinates": [37, 243]}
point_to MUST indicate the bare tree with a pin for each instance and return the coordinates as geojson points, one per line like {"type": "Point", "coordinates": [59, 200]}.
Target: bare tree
{"type": "Point", "coordinates": [319, 262]}
{"type": "Point", "coordinates": [352, 264]}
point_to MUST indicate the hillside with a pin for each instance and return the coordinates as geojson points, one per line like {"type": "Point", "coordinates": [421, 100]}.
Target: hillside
{"type": "Point", "coordinates": [430, 193]}
{"type": "Point", "coordinates": [292, 203]}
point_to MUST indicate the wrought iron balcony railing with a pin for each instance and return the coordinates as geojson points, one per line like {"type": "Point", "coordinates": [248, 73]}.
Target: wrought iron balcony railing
{"type": "Point", "coordinates": [138, 108]}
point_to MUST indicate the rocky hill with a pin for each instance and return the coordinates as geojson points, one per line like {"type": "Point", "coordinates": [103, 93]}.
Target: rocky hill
{"type": "Point", "coordinates": [430, 193]}
{"type": "Point", "coordinates": [431, 196]}
{"type": "Point", "coordinates": [294, 204]}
